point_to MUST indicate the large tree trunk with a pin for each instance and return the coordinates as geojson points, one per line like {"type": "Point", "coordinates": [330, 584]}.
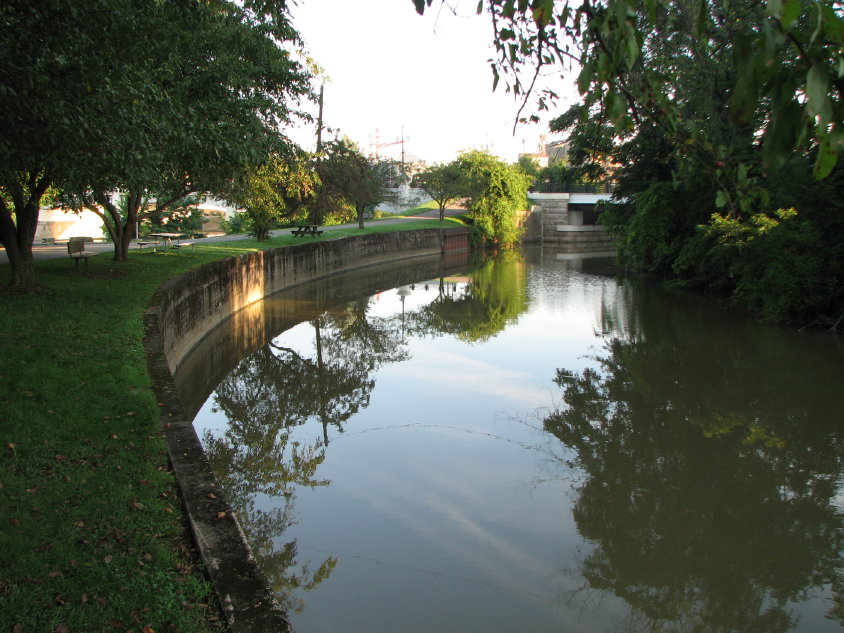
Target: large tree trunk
{"type": "Point", "coordinates": [360, 209]}
{"type": "Point", "coordinates": [18, 234]}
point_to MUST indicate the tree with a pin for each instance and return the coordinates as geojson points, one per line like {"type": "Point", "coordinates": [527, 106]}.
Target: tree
{"type": "Point", "coordinates": [781, 65]}
{"type": "Point", "coordinates": [103, 110]}
{"type": "Point", "coordinates": [277, 190]}
{"type": "Point", "coordinates": [591, 144]}
{"type": "Point", "coordinates": [496, 191]}
{"type": "Point", "coordinates": [714, 115]}
{"type": "Point", "coordinates": [351, 179]}
{"type": "Point", "coordinates": [223, 115]}
{"type": "Point", "coordinates": [442, 182]}
{"type": "Point", "coordinates": [50, 112]}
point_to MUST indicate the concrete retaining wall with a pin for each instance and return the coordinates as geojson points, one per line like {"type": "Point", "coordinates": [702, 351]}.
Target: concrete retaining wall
{"type": "Point", "coordinates": [196, 302]}
{"type": "Point", "coordinates": [182, 312]}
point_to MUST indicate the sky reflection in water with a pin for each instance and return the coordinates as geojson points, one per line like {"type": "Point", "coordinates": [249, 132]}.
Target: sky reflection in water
{"type": "Point", "coordinates": [534, 446]}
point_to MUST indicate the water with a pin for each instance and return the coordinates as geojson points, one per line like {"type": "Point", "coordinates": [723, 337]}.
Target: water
{"type": "Point", "coordinates": [533, 445]}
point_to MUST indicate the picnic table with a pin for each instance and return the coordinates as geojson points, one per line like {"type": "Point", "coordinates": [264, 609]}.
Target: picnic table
{"type": "Point", "coordinates": [307, 229]}
{"type": "Point", "coordinates": [168, 240]}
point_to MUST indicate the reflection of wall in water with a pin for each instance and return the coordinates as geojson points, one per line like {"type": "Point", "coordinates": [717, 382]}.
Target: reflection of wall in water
{"type": "Point", "coordinates": [189, 306]}
{"type": "Point", "coordinates": [248, 329]}
{"type": "Point", "coordinates": [573, 257]}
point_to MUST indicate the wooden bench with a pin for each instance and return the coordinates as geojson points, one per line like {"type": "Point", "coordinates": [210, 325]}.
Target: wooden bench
{"type": "Point", "coordinates": [307, 229]}
{"type": "Point", "coordinates": [76, 250]}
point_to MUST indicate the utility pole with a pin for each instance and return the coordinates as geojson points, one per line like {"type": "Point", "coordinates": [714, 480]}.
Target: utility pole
{"type": "Point", "coordinates": [315, 219]}
{"type": "Point", "coordinates": [319, 121]}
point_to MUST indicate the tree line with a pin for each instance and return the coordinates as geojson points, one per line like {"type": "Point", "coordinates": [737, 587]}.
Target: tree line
{"type": "Point", "coordinates": [157, 100]}
{"type": "Point", "coordinates": [135, 109]}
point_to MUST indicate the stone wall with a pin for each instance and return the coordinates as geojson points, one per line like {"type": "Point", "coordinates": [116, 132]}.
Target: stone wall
{"type": "Point", "coordinates": [560, 227]}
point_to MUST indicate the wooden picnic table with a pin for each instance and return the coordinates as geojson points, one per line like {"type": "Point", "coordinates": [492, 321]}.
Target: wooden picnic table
{"type": "Point", "coordinates": [307, 229]}
{"type": "Point", "coordinates": [168, 239]}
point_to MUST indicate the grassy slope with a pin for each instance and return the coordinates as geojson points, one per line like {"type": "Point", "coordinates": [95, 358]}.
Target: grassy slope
{"type": "Point", "coordinates": [93, 535]}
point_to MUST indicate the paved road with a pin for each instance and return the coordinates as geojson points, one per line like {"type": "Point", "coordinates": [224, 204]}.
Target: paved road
{"type": "Point", "coordinates": [60, 250]}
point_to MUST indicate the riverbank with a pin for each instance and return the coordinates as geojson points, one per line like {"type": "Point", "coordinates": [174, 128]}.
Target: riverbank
{"type": "Point", "coordinates": [94, 535]}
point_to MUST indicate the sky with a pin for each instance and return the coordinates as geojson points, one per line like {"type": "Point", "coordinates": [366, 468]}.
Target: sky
{"type": "Point", "coordinates": [393, 73]}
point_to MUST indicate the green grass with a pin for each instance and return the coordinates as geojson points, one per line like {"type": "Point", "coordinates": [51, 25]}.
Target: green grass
{"type": "Point", "coordinates": [93, 536]}
{"type": "Point", "coordinates": [425, 206]}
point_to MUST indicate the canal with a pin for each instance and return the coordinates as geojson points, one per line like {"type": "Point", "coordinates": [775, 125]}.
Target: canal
{"type": "Point", "coordinates": [530, 443]}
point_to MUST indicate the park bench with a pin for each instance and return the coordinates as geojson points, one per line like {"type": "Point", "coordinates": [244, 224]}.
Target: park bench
{"type": "Point", "coordinates": [307, 229]}
{"type": "Point", "coordinates": [76, 250]}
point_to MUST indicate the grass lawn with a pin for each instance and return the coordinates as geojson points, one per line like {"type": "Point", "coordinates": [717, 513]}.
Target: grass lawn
{"type": "Point", "coordinates": [93, 535]}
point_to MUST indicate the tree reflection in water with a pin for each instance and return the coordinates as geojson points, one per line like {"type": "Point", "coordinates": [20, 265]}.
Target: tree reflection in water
{"type": "Point", "coordinates": [710, 479]}
{"type": "Point", "coordinates": [277, 389]}
{"type": "Point", "coordinates": [268, 395]}
{"type": "Point", "coordinates": [494, 298]}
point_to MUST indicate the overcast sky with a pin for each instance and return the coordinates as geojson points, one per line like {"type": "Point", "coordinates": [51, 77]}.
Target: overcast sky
{"type": "Point", "coordinates": [390, 70]}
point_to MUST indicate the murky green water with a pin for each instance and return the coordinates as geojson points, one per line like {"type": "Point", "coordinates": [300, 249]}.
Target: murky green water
{"type": "Point", "coordinates": [536, 446]}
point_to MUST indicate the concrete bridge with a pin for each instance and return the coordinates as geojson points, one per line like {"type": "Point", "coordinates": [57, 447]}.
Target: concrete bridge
{"type": "Point", "coordinates": [568, 219]}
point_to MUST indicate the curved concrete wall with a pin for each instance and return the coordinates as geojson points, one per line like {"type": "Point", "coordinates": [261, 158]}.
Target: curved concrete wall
{"type": "Point", "coordinates": [194, 303]}
{"type": "Point", "coordinates": [182, 312]}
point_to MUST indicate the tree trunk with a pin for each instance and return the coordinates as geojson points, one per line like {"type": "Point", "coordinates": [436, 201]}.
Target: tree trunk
{"type": "Point", "coordinates": [17, 235]}
{"type": "Point", "coordinates": [124, 229]}
{"type": "Point", "coordinates": [102, 205]}
{"type": "Point", "coordinates": [360, 210]}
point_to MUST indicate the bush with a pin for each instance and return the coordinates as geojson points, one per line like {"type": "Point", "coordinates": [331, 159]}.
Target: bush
{"type": "Point", "coordinates": [235, 224]}
{"type": "Point", "coordinates": [781, 269]}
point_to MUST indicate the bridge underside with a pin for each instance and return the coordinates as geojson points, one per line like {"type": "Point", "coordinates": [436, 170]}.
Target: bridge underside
{"type": "Point", "coordinates": [567, 219]}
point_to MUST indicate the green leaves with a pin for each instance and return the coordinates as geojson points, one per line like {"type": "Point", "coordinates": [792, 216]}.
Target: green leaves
{"type": "Point", "coordinates": [828, 149]}
{"type": "Point", "coordinates": [585, 78]}
{"type": "Point", "coordinates": [786, 11]}
{"type": "Point", "coordinates": [817, 92]}
{"type": "Point", "coordinates": [542, 11]}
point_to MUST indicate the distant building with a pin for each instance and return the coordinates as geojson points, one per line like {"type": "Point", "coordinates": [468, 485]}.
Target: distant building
{"type": "Point", "coordinates": [59, 225]}
{"type": "Point", "coordinates": [548, 153]}
{"type": "Point", "coordinates": [558, 151]}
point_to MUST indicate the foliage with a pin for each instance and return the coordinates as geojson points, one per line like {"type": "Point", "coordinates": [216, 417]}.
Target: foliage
{"type": "Point", "coordinates": [156, 121]}
{"type": "Point", "coordinates": [235, 224]}
{"type": "Point", "coordinates": [277, 190]}
{"type": "Point", "coordinates": [495, 191]}
{"type": "Point", "coordinates": [781, 68]}
{"type": "Point", "coordinates": [350, 180]}
{"type": "Point", "coordinates": [529, 166]}
{"type": "Point", "coordinates": [781, 271]}
{"type": "Point", "coordinates": [442, 182]}
{"type": "Point", "coordinates": [701, 110]}
{"type": "Point", "coordinates": [558, 174]}
{"type": "Point", "coordinates": [590, 138]}
{"type": "Point", "coordinates": [183, 216]}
